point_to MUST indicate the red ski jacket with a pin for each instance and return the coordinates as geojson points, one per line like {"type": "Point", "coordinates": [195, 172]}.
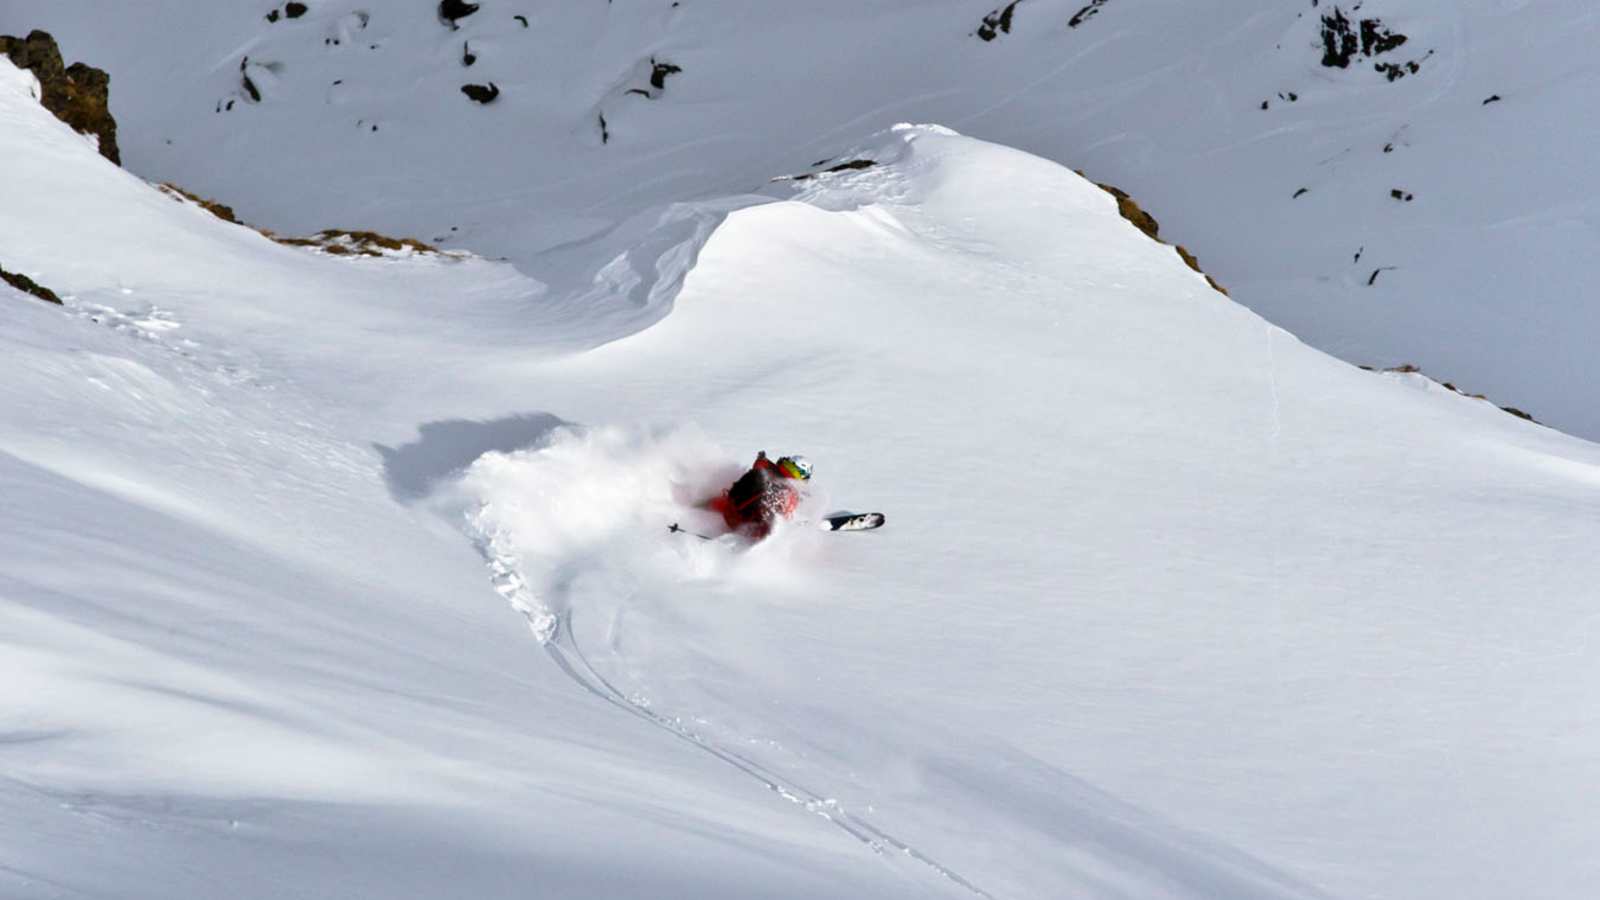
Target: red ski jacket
{"type": "Point", "coordinates": [758, 498]}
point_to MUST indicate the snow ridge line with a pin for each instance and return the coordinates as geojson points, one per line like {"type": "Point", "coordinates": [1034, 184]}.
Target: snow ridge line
{"type": "Point", "coordinates": [563, 650]}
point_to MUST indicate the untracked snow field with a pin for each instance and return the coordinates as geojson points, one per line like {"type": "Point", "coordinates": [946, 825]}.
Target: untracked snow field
{"type": "Point", "coordinates": [331, 576]}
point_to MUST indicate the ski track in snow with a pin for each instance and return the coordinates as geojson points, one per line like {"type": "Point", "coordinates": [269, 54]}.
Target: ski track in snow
{"type": "Point", "coordinates": [569, 657]}
{"type": "Point", "coordinates": [554, 632]}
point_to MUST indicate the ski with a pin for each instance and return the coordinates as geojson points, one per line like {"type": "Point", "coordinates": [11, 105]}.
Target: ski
{"type": "Point", "coordinates": [852, 522]}
{"type": "Point", "coordinates": [836, 522]}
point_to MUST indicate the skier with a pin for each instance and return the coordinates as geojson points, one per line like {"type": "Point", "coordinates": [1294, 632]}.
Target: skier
{"type": "Point", "coordinates": [763, 494]}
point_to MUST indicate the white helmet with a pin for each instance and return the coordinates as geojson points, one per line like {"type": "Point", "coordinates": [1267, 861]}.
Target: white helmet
{"type": "Point", "coordinates": [795, 467]}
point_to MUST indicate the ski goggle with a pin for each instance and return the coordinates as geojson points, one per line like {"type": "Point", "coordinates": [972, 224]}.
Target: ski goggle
{"type": "Point", "coordinates": [795, 468]}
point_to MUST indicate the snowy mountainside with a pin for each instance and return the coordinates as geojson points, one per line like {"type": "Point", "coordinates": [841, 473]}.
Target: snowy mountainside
{"type": "Point", "coordinates": [1169, 604]}
{"type": "Point", "coordinates": [239, 664]}
{"type": "Point", "coordinates": [1395, 181]}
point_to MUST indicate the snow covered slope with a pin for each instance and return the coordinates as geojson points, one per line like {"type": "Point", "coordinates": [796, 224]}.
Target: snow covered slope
{"type": "Point", "coordinates": [1168, 605]}
{"type": "Point", "coordinates": [1233, 124]}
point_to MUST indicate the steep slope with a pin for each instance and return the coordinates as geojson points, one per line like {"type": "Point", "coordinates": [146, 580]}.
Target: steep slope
{"type": "Point", "coordinates": [1137, 535]}
{"type": "Point", "coordinates": [1169, 604]}
{"type": "Point", "coordinates": [236, 664]}
{"type": "Point", "coordinates": [1421, 195]}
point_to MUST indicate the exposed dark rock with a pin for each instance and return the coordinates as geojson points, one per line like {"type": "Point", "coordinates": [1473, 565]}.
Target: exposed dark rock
{"type": "Point", "coordinates": [846, 166]}
{"type": "Point", "coordinates": [1344, 40]}
{"type": "Point", "coordinates": [78, 95]}
{"type": "Point", "coordinates": [998, 21]}
{"type": "Point", "coordinates": [1404, 196]}
{"type": "Point", "coordinates": [1373, 278]}
{"type": "Point", "coordinates": [250, 88]}
{"type": "Point", "coordinates": [467, 56]}
{"type": "Point", "coordinates": [452, 10]}
{"type": "Point", "coordinates": [605, 133]}
{"type": "Point", "coordinates": [524, 19]}
{"type": "Point", "coordinates": [482, 93]}
{"type": "Point", "coordinates": [1298, 193]}
{"type": "Point", "coordinates": [640, 91]}
{"type": "Point", "coordinates": [1492, 98]}
{"type": "Point", "coordinates": [1339, 41]}
{"type": "Point", "coordinates": [1396, 71]}
{"type": "Point", "coordinates": [291, 10]}
{"type": "Point", "coordinates": [1087, 13]}
{"type": "Point", "coordinates": [1376, 39]}
{"type": "Point", "coordinates": [659, 72]}
{"type": "Point", "coordinates": [341, 242]}
{"type": "Point", "coordinates": [28, 286]}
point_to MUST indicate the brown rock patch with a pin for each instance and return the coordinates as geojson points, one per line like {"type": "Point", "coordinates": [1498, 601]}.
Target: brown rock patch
{"type": "Point", "coordinates": [225, 213]}
{"type": "Point", "coordinates": [1129, 209]}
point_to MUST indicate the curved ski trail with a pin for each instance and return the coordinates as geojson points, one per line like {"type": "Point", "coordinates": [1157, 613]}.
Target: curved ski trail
{"type": "Point", "coordinates": [569, 657]}
{"type": "Point", "coordinates": [553, 630]}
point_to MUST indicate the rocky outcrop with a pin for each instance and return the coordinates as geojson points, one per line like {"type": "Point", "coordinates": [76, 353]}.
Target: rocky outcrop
{"type": "Point", "coordinates": [79, 95]}
{"type": "Point", "coordinates": [997, 22]}
{"type": "Point", "coordinates": [450, 11]}
{"type": "Point", "coordinates": [221, 211]}
{"type": "Point", "coordinates": [28, 286]}
{"type": "Point", "coordinates": [659, 72]}
{"type": "Point", "coordinates": [481, 93]}
{"type": "Point", "coordinates": [341, 242]}
{"type": "Point", "coordinates": [1087, 13]}
{"type": "Point", "coordinates": [1345, 40]}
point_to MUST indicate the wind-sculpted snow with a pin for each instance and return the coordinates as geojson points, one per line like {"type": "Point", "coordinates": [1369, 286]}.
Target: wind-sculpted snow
{"type": "Point", "coordinates": [1234, 125]}
{"type": "Point", "coordinates": [1168, 604]}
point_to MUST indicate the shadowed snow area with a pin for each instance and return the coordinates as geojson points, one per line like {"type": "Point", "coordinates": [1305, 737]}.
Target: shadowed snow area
{"type": "Point", "coordinates": [446, 448]}
{"type": "Point", "coordinates": [1168, 605]}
